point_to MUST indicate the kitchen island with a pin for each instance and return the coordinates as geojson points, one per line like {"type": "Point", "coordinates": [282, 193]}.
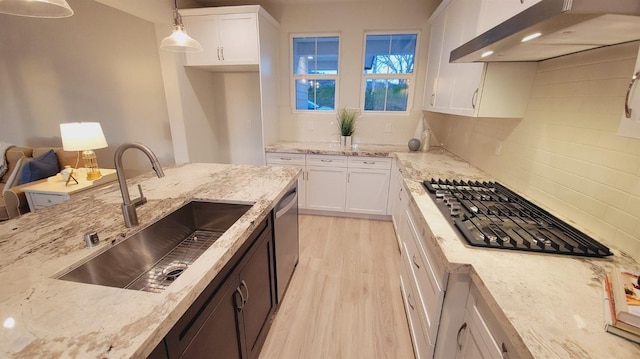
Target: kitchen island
{"type": "Point", "coordinates": [45, 317]}
{"type": "Point", "coordinates": [549, 306]}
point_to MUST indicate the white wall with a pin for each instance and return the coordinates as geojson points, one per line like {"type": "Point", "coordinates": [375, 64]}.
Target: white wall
{"type": "Point", "coordinates": [565, 154]}
{"type": "Point", "coordinates": [351, 20]}
{"type": "Point", "coordinates": [98, 65]}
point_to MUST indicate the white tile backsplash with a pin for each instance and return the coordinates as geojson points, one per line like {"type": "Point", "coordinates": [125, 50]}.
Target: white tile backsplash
{"type": "Point", "coordinates": [565, 153]}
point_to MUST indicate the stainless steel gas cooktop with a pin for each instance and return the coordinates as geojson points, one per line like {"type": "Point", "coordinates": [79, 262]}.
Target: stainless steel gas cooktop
{"type": "Point", "coordinates": [490, 215]}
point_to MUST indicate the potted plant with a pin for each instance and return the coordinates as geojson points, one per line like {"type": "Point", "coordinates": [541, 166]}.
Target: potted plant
{"type": "Point", "coordinates": [347, 124]}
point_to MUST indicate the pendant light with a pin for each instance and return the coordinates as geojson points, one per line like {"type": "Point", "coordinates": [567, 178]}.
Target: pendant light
{"type": "Point", "coordinates": [36, 8]}
{"type": "Point", "coordinates": [179, 41]}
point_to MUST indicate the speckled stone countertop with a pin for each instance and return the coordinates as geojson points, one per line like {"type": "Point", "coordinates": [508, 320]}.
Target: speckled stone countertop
{"type": "Point", "coordinates": [334, 148]}
{"type": "Point", "coordinates": [60, 319]}
{"type": "Point", "coordinates": [551, 306]}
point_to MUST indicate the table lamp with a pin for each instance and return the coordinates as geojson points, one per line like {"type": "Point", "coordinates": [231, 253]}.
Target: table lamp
{"type": "Point", "coordinates": [85, 137]}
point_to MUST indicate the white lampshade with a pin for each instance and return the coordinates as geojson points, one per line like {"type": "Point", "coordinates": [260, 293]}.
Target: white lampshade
{"type": "Point", "coordinates": [81, 136]}
{"type": "Point", "coordinates": [36, 8]}
{"type": "Point", "coordinates": [179, 40]}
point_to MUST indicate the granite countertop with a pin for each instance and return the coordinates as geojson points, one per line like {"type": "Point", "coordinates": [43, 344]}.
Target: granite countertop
{"type": "Point", "coordinates": [551, 306]}
{"type": "Point", "coordinates": [334, 148]}
{"type": "Point", "coordinates": [61, 319]}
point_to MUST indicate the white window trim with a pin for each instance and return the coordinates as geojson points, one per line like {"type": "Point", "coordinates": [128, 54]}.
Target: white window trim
{"type": "Point", "coordinates": [410, 77]}
{"type": "Point", "coordinates": [293, 77]}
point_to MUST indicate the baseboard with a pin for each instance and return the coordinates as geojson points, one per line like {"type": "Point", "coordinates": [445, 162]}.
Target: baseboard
{"type": "Point", "coordinates": [380, 217]}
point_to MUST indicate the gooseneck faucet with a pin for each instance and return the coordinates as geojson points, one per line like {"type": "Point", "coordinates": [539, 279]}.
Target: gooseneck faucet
{"type": "Point", "coordinates": [129, 205]}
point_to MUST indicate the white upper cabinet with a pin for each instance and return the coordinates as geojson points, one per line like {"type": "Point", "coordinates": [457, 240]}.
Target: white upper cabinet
{"type": "Point", "coordinates": [630, 121]}
{"type": "Point", "coordinates": [493, 12]}
{"type": "Point", "coordinates": [471, 89]}
{"type": "Point", "coordinates": [227, 39]}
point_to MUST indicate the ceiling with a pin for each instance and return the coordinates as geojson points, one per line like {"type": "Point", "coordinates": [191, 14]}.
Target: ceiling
{"type": "Point", "coordinates": [160, 11]}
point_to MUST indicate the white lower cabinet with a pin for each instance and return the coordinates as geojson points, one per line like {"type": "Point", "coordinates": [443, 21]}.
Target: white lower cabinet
{"type": "Point", "coordinates": [351, 184]}
{"type": "Point", "coordinates": [397, 203]}
{"type": "Point", "coordinates": [326, 188]}
{"type": "Point", "coordinates": [368, 185]}
{"type": "Point", "coordinates": [478, 337]}
{"type": "Point", "coordinates": [296, 160]}
{"type": "Point", "coordinates": [427, 278]}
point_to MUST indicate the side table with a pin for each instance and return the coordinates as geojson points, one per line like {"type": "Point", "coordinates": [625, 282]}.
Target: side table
{"type": "Point", "coordinates": [54, 190]}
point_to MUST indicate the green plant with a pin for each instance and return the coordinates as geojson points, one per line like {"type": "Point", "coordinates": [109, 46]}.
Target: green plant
{"type": "Point", "coordinates": [347, 121]}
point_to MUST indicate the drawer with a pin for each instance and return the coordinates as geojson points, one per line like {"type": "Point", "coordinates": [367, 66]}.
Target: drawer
{"type": "Point", "coordinates": [285, 159]}
{"type": "Point", "coordinates": [429, 296]}
{"type": "Point", "coordinates": [41, 200]}
{"type": "Point", "coordinates": [383, 163]}
{"type": "Point", "coordinates": [422, 345]}
{"type": "Point", "coordinates": [326, 161]}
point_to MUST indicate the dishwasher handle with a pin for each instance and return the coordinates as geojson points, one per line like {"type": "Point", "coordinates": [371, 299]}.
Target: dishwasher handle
{"type": "Point", "coordinates": [288, 201]}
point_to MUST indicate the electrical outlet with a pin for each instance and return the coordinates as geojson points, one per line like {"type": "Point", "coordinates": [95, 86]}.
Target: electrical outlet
{"type": "Point", "coordinates": [498, 150]}
{"type": "Point", "coordinates": [387, 128]}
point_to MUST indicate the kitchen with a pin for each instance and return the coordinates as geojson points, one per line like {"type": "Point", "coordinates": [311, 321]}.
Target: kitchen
{"type": "Point", "coordinates": [564, 150]}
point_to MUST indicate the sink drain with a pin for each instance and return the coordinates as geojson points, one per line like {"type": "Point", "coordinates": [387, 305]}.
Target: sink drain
{"type": "Point", "coordinates": [173, 271]}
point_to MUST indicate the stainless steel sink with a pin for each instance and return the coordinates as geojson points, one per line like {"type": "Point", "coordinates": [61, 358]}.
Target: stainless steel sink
{"type": "Point", "coordinates": [151, 259]}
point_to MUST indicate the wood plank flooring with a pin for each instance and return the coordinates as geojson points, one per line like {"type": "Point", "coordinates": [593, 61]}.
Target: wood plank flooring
{"type": "Point", "coordinates": [344, 299]}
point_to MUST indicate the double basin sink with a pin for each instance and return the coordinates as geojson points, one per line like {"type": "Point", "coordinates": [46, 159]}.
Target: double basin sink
{"type": "Point", "coordinates": [153, 258]}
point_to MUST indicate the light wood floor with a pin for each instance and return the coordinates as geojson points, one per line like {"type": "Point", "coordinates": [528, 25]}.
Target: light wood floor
{"type": "Point", "coordinates": [344, 299]}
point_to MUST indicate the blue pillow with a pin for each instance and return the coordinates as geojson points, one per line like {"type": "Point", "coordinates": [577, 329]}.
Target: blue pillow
{"type": "Point", "coordinates": [39, 168]}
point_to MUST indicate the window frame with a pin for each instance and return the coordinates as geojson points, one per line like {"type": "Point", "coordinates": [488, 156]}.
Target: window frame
{"type": "Point", "coordinates": [313, 77]}
{"type": "Point", "coordinates": [411, 78]}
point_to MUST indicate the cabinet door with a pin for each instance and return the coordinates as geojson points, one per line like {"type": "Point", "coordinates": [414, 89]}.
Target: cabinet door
{"type": "Point", "coordinates": [218, 336]}
{"type": "Point", "coordinates": [204, 29]}
{"type": "Point", "coordinates": [326, 188]}
{"type": "Point", "coordinates": [431, 100]}
{"type": "Point", "coordinates": [367, 191]}
{"type": "Point", "coordinates": [474, 338]}
{"type": "Point", "coordinates": [238, 39]}
{"type": "Point", "coordinates": [292, 160]}
{"type": "Point", "coordinates": [256, 287]}
{"type": "Point", "coordinates": [421, 346]}
{"type": "Point", "coordinates": [493, 12]}
{"type": "Point", "coordinates": [630, 121]}
{"type": "Point", "coordinates": [465, 79]}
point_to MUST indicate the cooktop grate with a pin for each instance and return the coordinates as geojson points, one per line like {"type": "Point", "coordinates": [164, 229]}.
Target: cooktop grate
{"type": "Point", "coordinates": [169, 267]}
{"type": "Point", "coordinates": [488, 214]}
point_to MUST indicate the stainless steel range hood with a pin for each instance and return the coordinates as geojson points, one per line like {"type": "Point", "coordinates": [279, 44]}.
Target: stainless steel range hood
{"type": "Point", "coordinates": [566, 26]}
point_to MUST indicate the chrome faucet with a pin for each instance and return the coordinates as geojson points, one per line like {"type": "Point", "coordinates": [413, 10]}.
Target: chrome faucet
{"type": "Point", "coordinates": [129, 205]}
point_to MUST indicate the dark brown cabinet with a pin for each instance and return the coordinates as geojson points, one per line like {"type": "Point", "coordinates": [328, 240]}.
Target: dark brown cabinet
{"type": "Point", "coordinates": [231, 318]}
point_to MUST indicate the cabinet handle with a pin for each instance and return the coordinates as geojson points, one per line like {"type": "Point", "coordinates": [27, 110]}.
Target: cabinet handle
{"type": "Point", "coordinates": [505, 352]}
{"type": "Point", "coordinates": [243, 284]}
{"type": "Point", "coordinates": [415, 262]}
{"type": "Point", "coordinates": [285, 158]}
{"type": "Point", "coordinates": [433, 95]}
{"type": "Point", "coordinates": [400, 194]}
{"type": "Point", "coordinates": [219, 54]}
{"type": "Point", "coordinates": [409, 301]}
{"type": "Point", "coordinates": [462, 328]}
{"type": "Point", "coordinates": [348, 177]}
{"type": "Point", "coordinates": [369, 162]}
{"type": "Point", "coordinates": [222, 53]}
{"type": "Point", "coordinates": [240, 303]}
{"type": "Point", "coordinates": [627, 109]}
{"type": "Point", "coordinates": [474, 98]}
{"type": "Point", "coordinates": [326, 160]}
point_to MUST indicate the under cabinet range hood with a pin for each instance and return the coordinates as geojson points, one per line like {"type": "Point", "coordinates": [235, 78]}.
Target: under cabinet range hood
{"type": "Point", "coordinates": [564, 27]}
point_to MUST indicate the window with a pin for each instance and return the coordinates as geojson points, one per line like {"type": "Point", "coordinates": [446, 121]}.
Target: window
{"type": "Point", "coordinates": [388, 71]}
{"type": "Point", "coordinates": [315, 72]}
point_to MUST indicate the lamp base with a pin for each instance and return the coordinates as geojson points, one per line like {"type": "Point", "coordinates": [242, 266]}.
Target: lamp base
{"type": "Point", "coordinates": [91, 165]}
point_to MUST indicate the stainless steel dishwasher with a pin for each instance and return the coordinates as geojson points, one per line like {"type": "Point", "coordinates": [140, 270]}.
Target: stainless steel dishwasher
{"type": "Point", "coordinates": [285, 227]}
